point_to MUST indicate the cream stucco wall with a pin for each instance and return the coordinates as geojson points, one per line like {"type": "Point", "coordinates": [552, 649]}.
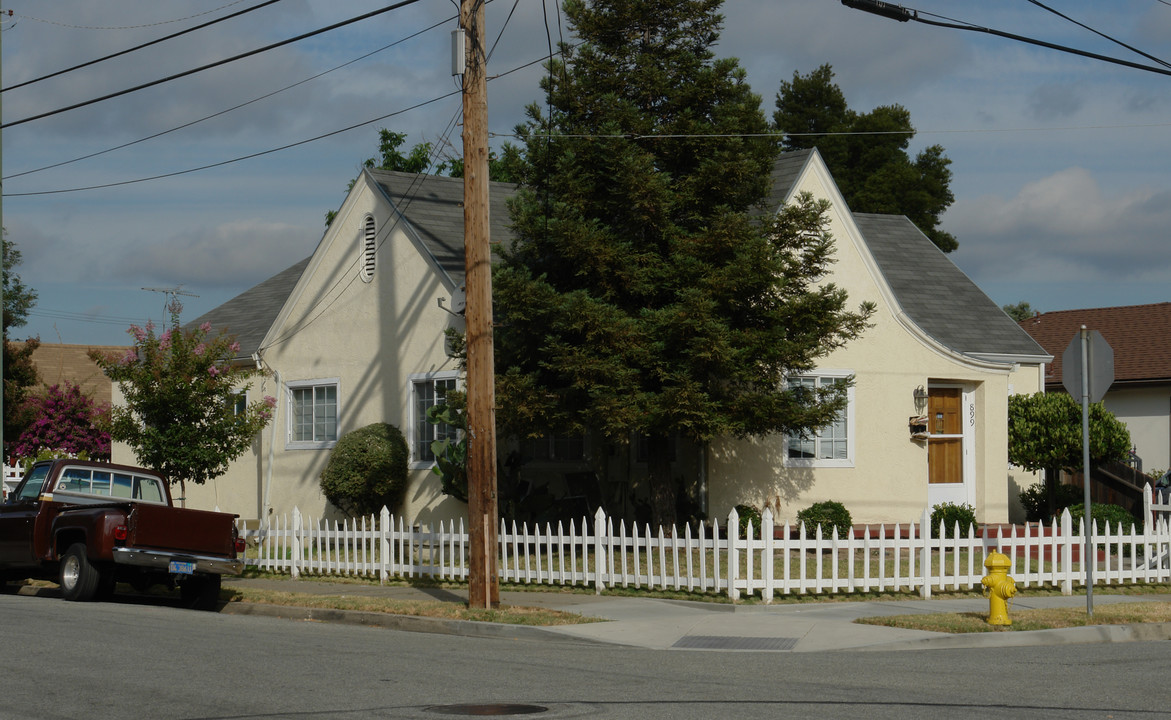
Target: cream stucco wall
{"type": "Point", "coordinates": [370, 337]}
{"type": "Point", "coordinates": [1147, 414]}
{"type": "Point", "coordinates": [887, 481]}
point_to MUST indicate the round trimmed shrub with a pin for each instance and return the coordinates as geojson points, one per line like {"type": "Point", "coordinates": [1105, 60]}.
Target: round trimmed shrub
{"type": "Point", "coordinates": [830, 515]}
{"type": "Point", "coordinates": [949, 514]}
{"type": "Point", "coordinates": [366, 470]}
{"type": "Point", "coordinates": [747, 513]}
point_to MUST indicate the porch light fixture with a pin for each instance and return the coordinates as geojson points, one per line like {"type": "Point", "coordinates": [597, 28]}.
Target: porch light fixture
{"type": "Point", "coordinates": [920, 395]}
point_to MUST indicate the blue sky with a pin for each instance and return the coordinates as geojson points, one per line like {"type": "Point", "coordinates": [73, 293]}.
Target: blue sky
{"type": "Point", "coordinates": [1060, 163]}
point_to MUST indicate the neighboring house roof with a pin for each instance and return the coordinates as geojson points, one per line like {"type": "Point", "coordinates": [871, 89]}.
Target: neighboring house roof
{"type": "Point", "coordinates": [1140, 336]}
{"type": "Point", "coordinates": [250, 314]}
{"type": "Point", "coordinates": [58, 363]}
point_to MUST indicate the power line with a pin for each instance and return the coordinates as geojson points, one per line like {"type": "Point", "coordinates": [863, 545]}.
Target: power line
{"type": "Point", "coordinates": [128, 27]}
{"type": "Point", "coordinates": [139, 47]}
{"type": "Point", "coordinates": [241, 158]}
{"type": "Point", "coordinates": [1100, 34]}
{"type": "Point", "coordinates": [231, 109]}
{"type": "Point", "coordinates": [225, 61]}
{"type": "Point", "coordinates": [269, 151]}
{"type": "Point", "coordinates": [903, 14]}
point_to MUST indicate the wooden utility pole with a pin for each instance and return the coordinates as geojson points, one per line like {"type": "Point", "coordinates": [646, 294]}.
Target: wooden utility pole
{"type": "Point", "coordinates": [483, 583]}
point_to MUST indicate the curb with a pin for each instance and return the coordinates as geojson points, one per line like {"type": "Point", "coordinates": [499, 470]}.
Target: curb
{"type": "Point", "coordinates": [1094, 634]}
{"type": "Point", "coordinates": [405, 623]}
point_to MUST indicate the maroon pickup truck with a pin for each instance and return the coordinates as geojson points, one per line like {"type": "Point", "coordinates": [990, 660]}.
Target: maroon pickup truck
{"type": "Point", "coordinates": [89, 525]}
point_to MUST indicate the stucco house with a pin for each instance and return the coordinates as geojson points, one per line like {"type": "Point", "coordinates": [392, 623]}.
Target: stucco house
{"type": "Point", "coordinates": [1140, 336]}
{"type": "Point", "coordinates": [354, 334]}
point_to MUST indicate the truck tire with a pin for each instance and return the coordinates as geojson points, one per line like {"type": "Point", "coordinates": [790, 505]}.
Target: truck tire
{"type": "Point", "coordinates": [80, 580]}
{"type": "Point", "coordinates": [201, 592]}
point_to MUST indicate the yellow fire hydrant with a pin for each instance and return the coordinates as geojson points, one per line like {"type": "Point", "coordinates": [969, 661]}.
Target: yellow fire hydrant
{"type": "Point", "coordinates": [998, 587]}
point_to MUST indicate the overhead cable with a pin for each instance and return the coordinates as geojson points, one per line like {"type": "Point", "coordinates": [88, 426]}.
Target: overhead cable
{"type": "Point", "coordinates": [228, 110]}
{"type": "Point", "coordinates": [903, 14]}
{"type": "Point", "coordinates": [139, 47]}
{"type": "Point", "coordinates": [209, 66]}
{"type": "Point", "coordinates": [127, 27]}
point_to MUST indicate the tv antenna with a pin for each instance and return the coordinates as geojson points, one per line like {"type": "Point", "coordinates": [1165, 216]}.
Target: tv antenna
{"type": "Point", "coordinates": [171, 294]}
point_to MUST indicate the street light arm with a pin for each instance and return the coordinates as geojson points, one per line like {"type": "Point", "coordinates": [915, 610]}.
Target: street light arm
{"type": "Point", "coordinates": [885, 9]}
{"type": "Point", "coordinates": [902, 14]}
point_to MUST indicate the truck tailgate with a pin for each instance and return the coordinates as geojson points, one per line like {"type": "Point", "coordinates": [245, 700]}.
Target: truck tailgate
{"type": "Point", "coordinates": [181, 530]}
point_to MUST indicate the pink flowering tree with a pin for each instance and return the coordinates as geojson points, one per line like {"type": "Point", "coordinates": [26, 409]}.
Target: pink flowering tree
{"type": "Point", "coordinates": [64, 420]}
{"type": "Point", "coordinates": [181, 389]}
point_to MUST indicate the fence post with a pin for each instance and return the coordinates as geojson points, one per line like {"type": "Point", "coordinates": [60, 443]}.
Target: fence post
{"type": "Point", "coordinates": [295, 571]}
{"type": "Point", "coordinates": [1067, 553]}
{"type": "Point", "coordinates": [767, 561]}
{"type": "Point", "coordinates": [733, 563]}
{"type": "Point", "coordinates": [925, 553]}
{"type": "Point", "coordinates": [383, 544]}
{"type": "Point", "coordinates": [599, 550]}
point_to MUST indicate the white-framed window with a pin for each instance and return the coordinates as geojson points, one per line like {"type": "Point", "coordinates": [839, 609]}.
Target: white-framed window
{"type": "Point", "coordinates": [829, 446]}
{"type": "Point", "coordinates": [314, 413]}
{"type": "Point", "coordinates": [238, 401]}
{"type": "Point", "coordinates": [427, 391]}
{"type": "Point", "coordinates": [369, 248]}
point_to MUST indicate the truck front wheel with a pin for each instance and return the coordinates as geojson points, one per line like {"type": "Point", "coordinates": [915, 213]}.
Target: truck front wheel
{"type": "Point", "coordinates": [80, 580]}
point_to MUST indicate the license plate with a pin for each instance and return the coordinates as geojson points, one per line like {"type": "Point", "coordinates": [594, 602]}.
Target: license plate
{"type": "Point", "coordinates": [182, 568]}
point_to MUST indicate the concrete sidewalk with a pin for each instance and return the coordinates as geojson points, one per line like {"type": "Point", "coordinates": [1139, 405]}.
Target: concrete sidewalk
{"type": "Point", "coordinates": [657, 624]}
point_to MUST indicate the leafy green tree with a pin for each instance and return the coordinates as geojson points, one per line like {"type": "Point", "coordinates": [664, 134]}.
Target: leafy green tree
{"type": "Point", "coordinates": [1020, 312]}
{"type": "Point", "coordinates": [18, 298]}
{"type": "Point", "coordinates": [867, 152]}
{"type": "Point", "coordinates": [1045, 433]}
{"type": "Point", "coordinates": [648, 290]}
{"type": "Point", "coordinates": [181, 390]}
{"type": "Point", "coordinates": [20, 375]}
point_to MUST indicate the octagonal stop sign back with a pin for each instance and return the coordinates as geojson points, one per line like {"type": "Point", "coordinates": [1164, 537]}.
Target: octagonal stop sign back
{"type": "Point", "coordinates": [1101, 366]}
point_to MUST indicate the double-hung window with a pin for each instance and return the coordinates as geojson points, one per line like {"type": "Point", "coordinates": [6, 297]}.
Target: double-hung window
{"type": "Point", "coordinates": [427, 391]}
{"type": "Point", "coordinates": [828, 446]}
{"type": "Point", "coordinates": [313, 420]}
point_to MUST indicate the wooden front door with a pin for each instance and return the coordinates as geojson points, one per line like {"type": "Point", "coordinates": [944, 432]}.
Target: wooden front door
{"type": "Point", "coordinates": [945, 446]}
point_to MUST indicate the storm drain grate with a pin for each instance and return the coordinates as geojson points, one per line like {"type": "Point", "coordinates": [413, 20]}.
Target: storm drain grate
{"type": "Point", "coordinates": [483, 709]}
{"type": "Point", "coordinates": [723, 642]}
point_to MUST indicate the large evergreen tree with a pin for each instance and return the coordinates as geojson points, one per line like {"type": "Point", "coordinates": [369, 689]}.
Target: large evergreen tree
{"type": "Point", "coordinates": [646, 291]}
{"type": "Point", "coordinates": [867, 152]}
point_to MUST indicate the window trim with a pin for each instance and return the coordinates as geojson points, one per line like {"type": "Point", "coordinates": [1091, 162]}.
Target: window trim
{"type": "Point", "coordinates": [290, 416]}
{"type": "Point", "coordinates": [413, 380]}
{"type": "Point", "coordinates": [851, 437]}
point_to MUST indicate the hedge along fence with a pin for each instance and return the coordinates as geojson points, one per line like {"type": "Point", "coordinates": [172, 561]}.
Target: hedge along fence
{"type": "Point", "coordinates": [602, 553]}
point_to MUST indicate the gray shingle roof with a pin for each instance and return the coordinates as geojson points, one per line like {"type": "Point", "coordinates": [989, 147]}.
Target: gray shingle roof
{"type": "Point", "coordinates": [250, 314]}
{"type": "Point", "coordinates": [433, 209]}
{"type": "Point", "coordinates": [786, 170]}
{"type": "Point", "coordinates": [937, 295]}
{"type": "Point", "coordinates": [933, 292]}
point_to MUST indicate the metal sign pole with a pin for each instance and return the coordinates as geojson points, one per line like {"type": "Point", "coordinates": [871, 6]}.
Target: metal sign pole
{"type": "Point", "coordinates": [1087, 515]}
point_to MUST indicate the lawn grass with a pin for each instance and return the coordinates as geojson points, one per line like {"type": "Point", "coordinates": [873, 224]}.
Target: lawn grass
{"type": "Point", "coordinates": [1034, 619]}
{"type": "Point", "coordinates": [509, 614]}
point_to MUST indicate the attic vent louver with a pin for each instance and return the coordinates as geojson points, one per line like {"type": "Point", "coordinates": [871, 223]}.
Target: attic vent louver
{"type": "Point", "coordinates": [369, 250]}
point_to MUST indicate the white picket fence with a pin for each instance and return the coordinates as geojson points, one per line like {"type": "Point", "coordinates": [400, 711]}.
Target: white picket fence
{"type": "Point", "coordinates": [789, 560]}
